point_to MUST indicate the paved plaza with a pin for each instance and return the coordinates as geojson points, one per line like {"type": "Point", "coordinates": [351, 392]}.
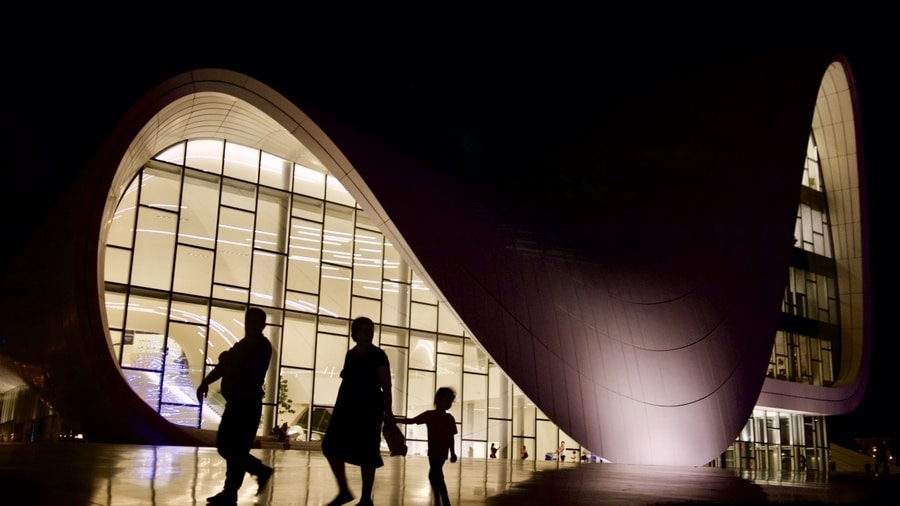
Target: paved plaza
{"type": "Point", "coordinates": [118, 475]}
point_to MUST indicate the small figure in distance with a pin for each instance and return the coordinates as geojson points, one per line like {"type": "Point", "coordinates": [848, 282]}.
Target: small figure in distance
{"type": "Point", "coordinates": [523, 453]}
{"type": "Point", "coordinates": [561, 451]}
{"type": "Point", "coordinates": [881, 458]}
{"type": "Point", "coordinates": [441, 431]}
{"type": "Point", "coordinates": [493, 451]}
{"type": "Point", "coordinates": [242, 370]}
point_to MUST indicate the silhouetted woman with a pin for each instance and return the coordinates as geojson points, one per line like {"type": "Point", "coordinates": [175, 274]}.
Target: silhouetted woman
{"type": "Point", "coordinates": [363, 403]}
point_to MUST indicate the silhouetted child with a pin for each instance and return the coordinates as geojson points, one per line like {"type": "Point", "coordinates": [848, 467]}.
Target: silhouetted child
{"type": "Point", "coordinates": [441, 431]}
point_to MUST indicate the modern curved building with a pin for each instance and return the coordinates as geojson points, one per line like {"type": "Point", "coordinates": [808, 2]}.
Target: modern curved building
{"type": "Point", "coordinates": [669, 273]}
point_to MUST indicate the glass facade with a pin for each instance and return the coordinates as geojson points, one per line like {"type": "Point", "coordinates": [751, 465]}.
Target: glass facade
{"type": "Point", "coordinates": [775, 445]}
{"type": "Point", "coordinates": [208, 228]}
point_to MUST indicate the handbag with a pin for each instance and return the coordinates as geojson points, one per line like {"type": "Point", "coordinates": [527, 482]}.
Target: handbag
{"type": "Point", "coordinates": [395, 439]}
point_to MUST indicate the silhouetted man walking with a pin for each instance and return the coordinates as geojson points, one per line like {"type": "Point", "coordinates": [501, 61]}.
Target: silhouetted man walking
{"type": "Point", "coordinates": [242, 370]}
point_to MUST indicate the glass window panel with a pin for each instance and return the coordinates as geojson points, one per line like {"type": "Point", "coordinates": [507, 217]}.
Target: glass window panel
{"type": "Point", "coordinates": [450, 344]}
{"type": "Point", "coordinates": [268, 271]}
{"type": "Point", "coordinates": [309, 181]}
{"type": "Point", "coordinates": [395, 304]}
{"type": "Point", "coordinates": [161, 187]}
{"type": "Point", "coordinates": [806, 222]}
{"type": "Point", "coordinates": [337, 243]}
{"type": "Point", "coordinates": [145, 384]}
{"type": "Point", "coordinates": [199, 209]}
{"type": "Point", "coordinates": [116, 342]}
{"type": "Point", "coordinates": [784, 425]}
{"type": "Point", "coordinates": [822, 297]}
{"type": "Point", "coordinates": [366, 307]}
{"type": "Point", "coordinates": [395, 268]}
{"type": "Point", "coordinates": [363, 221]}
{"type": "Point", "coordinates": [422, 351]}
{"type": "Point", "coordinates": [498, 433]}
{"type": "Point", "coordinates": [416, 440]}
{"type": "Point", "coordinates": [330, 353]}
{"type": "Point", "coordinates": [299, 342]}
{"type": "Point", "coordinates": [334, 299]}
{"type": "Point", "coordinates": [367, 260]}
{"type": "Point", "coordinates": [832, 302]}
{"type": "Point", "coordinates": [179, 385]}
{"type": "Point", "coordinates": [475, 359]}
{"type": "Point", "coordinates": [423, 316]}
{"type": "Point", "coordinates": [205, 154]}
{"type": "Point", "coordinates": [365, 284]}
{"type": "Point", "coordinates": [272, 221]}
{"type": "Point", "coordinates": [174, 154]}
{"type": "Point", "coordinates": [275, 172]}
{"type": "Point", "coordinates": [305, 251]}
{"type": "Point", "coordinates": [241, 162]}
{"type": "Point", "coordinates": [421, 292]}
{"type": "Point", "coordinates": [394, 336]}
{"type": "Point", "coordinates": [818, 238]}
{"type": "Point", "coordinates": [193, 271]}
{"type": "Point", "coordinates": [528, 444]}
{"type": "Point", "coordinates": [147, 313]}
{"type": "Point", "coordinates": [336, 326]}
{"type": "Point", "coordinates": [812, 299]}
{"type": "Point", "coordinates": [421, 392]}
{"type": "Point", "coordinates": [154, 249]}
{"type": "Point", "coordinates": [827, 368]}
{"type": "Point", "coordinates": [116, 265]}
{"type": "Point", "coordinates": [475, 449]}
{"type": "Point", "coordinates": [193, 313]}
{"type": "Point", "coordinates": [121, 228]}
{"type": "Point", "coordinates": [780, 343]}
{"type": "Point", "coordinates": [226, 327]}
{"type": "Point", "coordinates": [447, 321]}
{"type": "Point", "coordinates": [547, 440]}
{"type": "Point", "coordinates": [115, 308]}
{"type": "Point", "coordinates": [524, 414]}
{"type": "Point", "coordinates": [399, 377]}
{"type": "Point", "coordinates": [473, 405]}
{"type": "Point", "coordinates": [190, 343]}
{"type": "Point", "coordinates": [238, 194]}
{"type": "Point", "coordinates": [186, 416]}
{"type": "Point", "coordinates": [301, 302]}
{"type": "Point", "coordinates": [308, 208]}
{"type": "Point", "coordinates": [296, 398]}
{"type": "Point", "coordinates": [231, 293]}
{"type": "Point", "coordinates": [233, 248]}
{"type": "Point", "coordinates": [500, 393]}
{"type": "Point", "coordinates": [273, 333]}
{"type": "Point", "coordinates": [143, 350]}
{"type": "Point", "coordinates": [335, 192]}
{"type": "Point", "coordinates": [449, 374]}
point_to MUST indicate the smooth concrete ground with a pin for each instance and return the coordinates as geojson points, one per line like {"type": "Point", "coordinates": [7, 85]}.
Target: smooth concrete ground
{"type": "Point", "coordinates": [116, 475]}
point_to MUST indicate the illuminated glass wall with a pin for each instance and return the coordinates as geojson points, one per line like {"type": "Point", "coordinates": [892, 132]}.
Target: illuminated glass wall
{"type": "Point", "coordinates": [208, 227]}
{"type": "Point", "coordinates": [783, 445]}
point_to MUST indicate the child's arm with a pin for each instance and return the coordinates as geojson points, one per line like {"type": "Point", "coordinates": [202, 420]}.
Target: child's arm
{"type": "Point", "coordinates": [414, 420]}
{"type": "Point", "coordinates": [452, 450]}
